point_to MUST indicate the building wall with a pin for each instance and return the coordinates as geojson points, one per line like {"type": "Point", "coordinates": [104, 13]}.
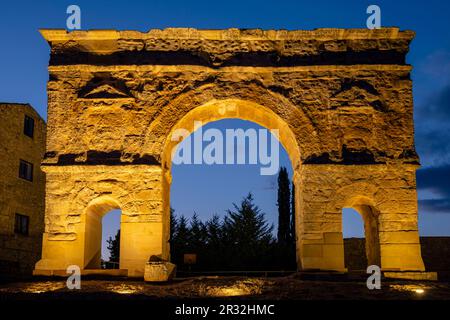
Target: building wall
{"type": "Point", "coordinates": [435, 253]}
{"type": "Point", "coordinates": [18, 253]}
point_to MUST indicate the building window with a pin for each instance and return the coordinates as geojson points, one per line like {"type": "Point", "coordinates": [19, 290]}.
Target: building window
{"type": "Point", "coordinates": [21, 224]}
{"type": "Point", "coordinates": [26, 170]}
{"type": "Point", "coordinates": [28, 127]}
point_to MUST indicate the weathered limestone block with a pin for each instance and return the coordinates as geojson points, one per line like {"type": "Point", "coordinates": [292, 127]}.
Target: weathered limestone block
{"type": "Point", "coordinates": [419, 276]}
{"type": "Point", "coordinates": [159, 271]}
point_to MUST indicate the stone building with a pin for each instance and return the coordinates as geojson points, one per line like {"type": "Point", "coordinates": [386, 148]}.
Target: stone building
{"type": "Point", "coordinates": [340, 99]}
{"type": "Point", "coordinates": [22, 187]}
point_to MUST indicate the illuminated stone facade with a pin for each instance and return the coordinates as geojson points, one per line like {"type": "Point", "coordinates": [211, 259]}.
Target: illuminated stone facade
{"type": "Point", "coordinates": [341, 100]}
{"type": "Point", "coordinates": [21, 195]}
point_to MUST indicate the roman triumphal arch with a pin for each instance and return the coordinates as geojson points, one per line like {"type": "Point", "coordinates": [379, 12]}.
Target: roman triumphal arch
{"type": "Point", "coordinates": [341, 100]}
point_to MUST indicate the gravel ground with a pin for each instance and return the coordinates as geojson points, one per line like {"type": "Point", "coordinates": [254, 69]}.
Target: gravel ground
{"type": "Point", "coordinates": [285, 288]}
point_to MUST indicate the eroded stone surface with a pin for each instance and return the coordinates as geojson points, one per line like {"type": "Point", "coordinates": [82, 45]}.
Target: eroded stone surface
{"type": "Point", "coordinates": [341, 99]}
{"type": "Point", "coordinates": [159, 271]}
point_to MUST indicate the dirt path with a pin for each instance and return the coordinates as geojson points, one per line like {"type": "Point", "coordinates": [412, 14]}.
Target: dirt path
{"type": "Point", "coordinates": [286, 288]}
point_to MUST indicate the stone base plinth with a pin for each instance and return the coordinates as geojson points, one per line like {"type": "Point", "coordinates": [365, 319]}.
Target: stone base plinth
{"type": "Point", "coordinates": [86, 272]}
{"type": "Point", "coordinates": [424, 276]}
{"type": "Point", "coordinates": [159, 271]}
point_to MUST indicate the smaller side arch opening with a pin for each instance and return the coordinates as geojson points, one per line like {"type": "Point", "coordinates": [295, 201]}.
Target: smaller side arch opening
{"type": "Point", "coordinates": [94, 231]}
{"type": "Point", "coordinates": [361, 247]}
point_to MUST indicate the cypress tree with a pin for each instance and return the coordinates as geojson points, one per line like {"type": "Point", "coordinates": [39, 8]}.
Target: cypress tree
{"type": "Point", "coordinates": [284, 212]}
{"type": "Point", "coordinates": [293, 237]}
{"type": "Point", "coordinates": [173, 226]}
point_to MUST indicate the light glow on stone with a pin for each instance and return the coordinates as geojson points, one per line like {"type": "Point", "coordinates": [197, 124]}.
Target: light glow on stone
{"type": "Point", "coordinates": [125, 289]}
{"type": "Point", "coordinates": [239, 288]}
{"type": "Point", "coordinates": [417, 289]}
{"type": "Point", "coordinates": [420, 291]}
{"type": "Point", "coordinates": [42, 287]}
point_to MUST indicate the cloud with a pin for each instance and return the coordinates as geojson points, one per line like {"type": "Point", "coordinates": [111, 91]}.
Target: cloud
{"type": "Point", "coordinates": [432, 115]}
{"type": "Point", "coordinates": [438, 106]}
{"type": "Point", "coordinates": [435, 205]}
{"type": "Point", "coordinates": [434, 76]}
{"type": "Point", "coordinates": [436, 67]}
{"type": "Point", "coordinates": [433, 144]}
{"type": "Point", "coordinates": [436, 180]}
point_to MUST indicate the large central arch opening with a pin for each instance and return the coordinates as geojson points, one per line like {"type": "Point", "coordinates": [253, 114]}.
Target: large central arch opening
{"type": "Point", "coordinates": [205, 200]}
{"type": "Point", "coordinates": [225, 217]}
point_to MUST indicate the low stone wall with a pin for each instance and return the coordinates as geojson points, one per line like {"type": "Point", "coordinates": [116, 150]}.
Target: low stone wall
{"type": "Point", "coordinates": [355, 254]}
{"type": "Point", "coordinates": [18, 255]}
{"type": "Point", "coordinates": [435, 254]}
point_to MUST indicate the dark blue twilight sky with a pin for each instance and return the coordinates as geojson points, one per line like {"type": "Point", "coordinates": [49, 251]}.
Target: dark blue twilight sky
{"type": "Point", "coordinates": [24, 56]}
